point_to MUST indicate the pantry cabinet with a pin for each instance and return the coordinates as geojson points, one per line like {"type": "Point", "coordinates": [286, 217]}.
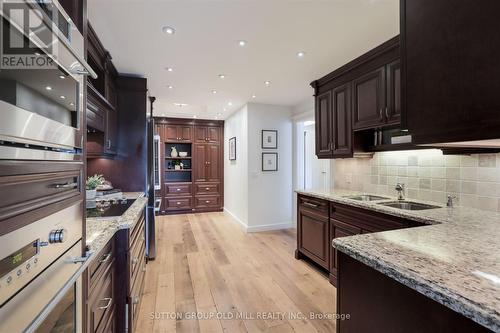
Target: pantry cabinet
{"type": "Point", "coordinates": [198, 185]}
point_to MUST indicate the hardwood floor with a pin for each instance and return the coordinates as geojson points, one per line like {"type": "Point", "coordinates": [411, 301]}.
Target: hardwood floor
{"type": "Point", "coordinates": [233, 281]}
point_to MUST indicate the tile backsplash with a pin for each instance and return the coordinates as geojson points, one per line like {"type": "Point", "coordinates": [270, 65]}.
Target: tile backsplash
{"type": "Point", "coordinates": [427, 175]}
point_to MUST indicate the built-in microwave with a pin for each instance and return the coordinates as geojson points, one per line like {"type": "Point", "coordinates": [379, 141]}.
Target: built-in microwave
{"type": "Point", "coordinates": [42, 79]}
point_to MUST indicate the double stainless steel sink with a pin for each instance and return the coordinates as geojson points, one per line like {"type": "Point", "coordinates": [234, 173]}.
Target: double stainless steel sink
{"type": "Point", "coordinates": [366, 197]}
{"type": "Point", "coordinates": [405, 205]}
{"type": "Point", "coordinates": [408, 205]}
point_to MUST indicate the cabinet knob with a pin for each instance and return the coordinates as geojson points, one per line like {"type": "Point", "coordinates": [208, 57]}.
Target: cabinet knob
{"type": "Point", "coordinates": [178, 202]}
{"type": "Point", "coordinates": [178, 189]}
{"type": "Point", "coordinates": [207, 188]}
{"type": "Point", "coordinates": [207, 201]}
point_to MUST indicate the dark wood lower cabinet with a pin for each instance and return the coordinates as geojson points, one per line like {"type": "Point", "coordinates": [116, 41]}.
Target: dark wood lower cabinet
{"type": "Point", "coordinates": [320, 221]}
{"type": "Point", "coordinates": [115, 282]}
{"type": "Point", "coordinates": [378, 303]}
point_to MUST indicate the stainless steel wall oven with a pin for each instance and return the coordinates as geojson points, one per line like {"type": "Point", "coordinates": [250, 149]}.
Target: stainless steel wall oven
{"type": "Point", "coordinates": [42, 255]}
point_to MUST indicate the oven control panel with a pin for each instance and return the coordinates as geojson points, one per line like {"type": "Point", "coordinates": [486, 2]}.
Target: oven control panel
{"type": "Point", "coordinates": [20, 271]}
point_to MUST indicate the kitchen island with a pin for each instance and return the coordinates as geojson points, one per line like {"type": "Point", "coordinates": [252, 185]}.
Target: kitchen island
{"type": "Point", "coordinates": [453, 262]}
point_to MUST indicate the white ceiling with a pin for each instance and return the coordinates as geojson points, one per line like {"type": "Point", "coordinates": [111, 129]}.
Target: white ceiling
{"type": "Point", "coordinates": [205, 44]}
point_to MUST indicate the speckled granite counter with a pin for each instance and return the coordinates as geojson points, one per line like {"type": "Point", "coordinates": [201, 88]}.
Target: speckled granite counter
{"type": "Point", "coordinates": [454, 261]}
{"type": "Point", "coordinates": [101, 230]}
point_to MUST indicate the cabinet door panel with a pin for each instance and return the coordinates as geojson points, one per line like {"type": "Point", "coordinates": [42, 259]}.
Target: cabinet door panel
{"type": "Point", "coordinates": [393, 111]}
{"type": "Point", "coordinates": [170, 133]}
{"type": "Point", "coordinates": [201, 134]}
{"type": "Point", "coordinates": [200, 165]}
{"type": "Point", "coordinates": [324, 125]}
{"type": "Point", "coordinates": [450, 53]}
{"type": "Point", "coordinates": [111, 132]}
{"type": "Point", "coordinates": [213, 168]}
{"type": "Point", "coordinates": [339, 229]}
{"type": "Point", "coordinates": [185, 133]}
{"type": "Point", "coordinates": [369, 100]}
{"type": "Point", "coordinates": [342, 129]}
{"type": "Point", "coordinates": [213, 134]}
{"type": "Point", "coordinates": [313, 237]}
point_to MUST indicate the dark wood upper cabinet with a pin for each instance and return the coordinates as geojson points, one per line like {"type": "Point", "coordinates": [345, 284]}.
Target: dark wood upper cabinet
{"type": "Point", "coordinates": [369, 100]}
{"type": "Point", "coordinates": [393, 92]}
{"type": "Point", "coordinates": [207, 134]}
{"type": "Point", "coordinates": [450, 71]}
{"type": "Point", "coordinates": [178, 133]}
{"type": "Point", "coordinates": [324, 123]}
{"type": "Point", "coordinates": [364, 94]}
{"type": "Point", "coordinates": [342, 129]}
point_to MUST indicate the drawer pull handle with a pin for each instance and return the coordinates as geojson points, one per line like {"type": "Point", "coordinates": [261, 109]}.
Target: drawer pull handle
{"type": "Point", "coordinates": [207, 188]}
{"type": "Point", "coordinates": [178, 202]}
{"type": "Point", "coordinates": [310, 205]}
{"type": "Point", "coordinates": [66, 185]}
{"type": "Point", "coordinates": [105, 258]}
{"type": "Point", "coordinates": [135, 300]}
{"type": "Point", "coordinates": [178, 189]}
{"type": "Point", "coordinates": [207, 201]}
{"type": "Point", "coordinates": [107, 299]}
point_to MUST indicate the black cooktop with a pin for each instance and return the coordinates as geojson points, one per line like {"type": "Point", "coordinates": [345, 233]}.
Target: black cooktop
{"type": "Point", "coordinates": [108, 208]}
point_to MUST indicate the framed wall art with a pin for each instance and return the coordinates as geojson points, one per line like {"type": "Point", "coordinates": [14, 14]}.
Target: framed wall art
{"type": "Point", "coordinates": [232, 149]}
{"type": "Point", "coordinates": [269, 139]}
{"type": "Point", "coordinates": [269, 161]}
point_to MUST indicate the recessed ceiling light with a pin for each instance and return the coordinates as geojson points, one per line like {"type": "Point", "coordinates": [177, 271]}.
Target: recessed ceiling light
{"type": "Point", "coordinates": [253, 96]}
{"type": "Point", "coordinates": [194, 116]}
{"type": "Point", "coordinates": [62, 97]}
{"type": "Point", "coordinates": [170, 87]}
{"type": "Point", "coordinates": [224, 109]}
{"type": "Point", "coordinates": [62, 77]}
{"type": "Point", "coordinates": [169, 69]}
{"type": "Point", "coordinates": [229, 103]}
{"type": "Point", "coordinates": [219, 114]}
{"type": "Point", "coordinates": [214, 91]}
{"type": "Point", "coordinates": [222, 76]}
{"type": "Point", "coordinates": [301, 54]}
{"type": "Point", "coordinates": [267, 83]}
{"type": "Point", "coordinates": [180, 104]}
{"type": "Point", "coordinates": [168, 30]}
{"type": "Point", "coordinates": [242, 43]}
{"type": "Point", "coordinates": [48, 87]}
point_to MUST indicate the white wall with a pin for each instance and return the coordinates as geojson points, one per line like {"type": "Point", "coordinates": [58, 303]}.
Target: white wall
{"type": "Point", "coordinates": [236, 172]}
{"type": "Point", "coordinates": [258, 200]}
{"type": "Point", "coordinates": [270, 192]}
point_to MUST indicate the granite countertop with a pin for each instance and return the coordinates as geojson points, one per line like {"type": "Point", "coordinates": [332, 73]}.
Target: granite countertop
{"type": "Point", "coordinates": [455, 260]}
{"type": "Point", "coordinates": [101, 230]}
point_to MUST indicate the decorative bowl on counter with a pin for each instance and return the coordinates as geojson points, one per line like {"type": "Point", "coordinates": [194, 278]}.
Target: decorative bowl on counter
{"type": "Point", "coordinates": [183, 154]}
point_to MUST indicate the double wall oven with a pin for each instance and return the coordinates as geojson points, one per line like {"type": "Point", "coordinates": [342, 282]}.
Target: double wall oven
{"type": "Point", "coordinates": [42, 252]}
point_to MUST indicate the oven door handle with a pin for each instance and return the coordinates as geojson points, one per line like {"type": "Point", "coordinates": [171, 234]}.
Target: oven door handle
{"type": "Point", "coordinates": [66, 185]}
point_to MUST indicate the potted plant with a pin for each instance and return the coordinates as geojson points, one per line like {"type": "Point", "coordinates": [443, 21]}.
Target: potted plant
{"type": "Point", "coordinates": [91, 185]}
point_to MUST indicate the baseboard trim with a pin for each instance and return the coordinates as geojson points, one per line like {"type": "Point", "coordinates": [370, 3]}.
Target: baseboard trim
{"type": "Point", "coordinates": [242, 224]}
{"type": "Point", "coordinates": [269, 227]}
